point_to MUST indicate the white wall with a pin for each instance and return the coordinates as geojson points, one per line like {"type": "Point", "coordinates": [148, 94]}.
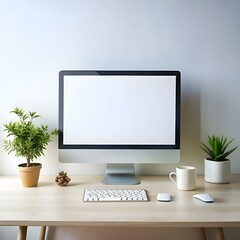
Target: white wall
{"type": "Point", "coordinates": [199, 38]}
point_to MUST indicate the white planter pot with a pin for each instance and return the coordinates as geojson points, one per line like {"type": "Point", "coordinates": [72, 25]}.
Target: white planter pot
{"type": "Point", "coordinates": [217, 172]}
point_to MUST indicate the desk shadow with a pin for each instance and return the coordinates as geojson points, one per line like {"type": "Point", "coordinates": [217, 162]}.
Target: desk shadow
{"type": "Point", "coordinates": [50, 233]}
{"type": "Point", "coordinates": [74, 184]}
{"type": "Point", "coordinates": [200, 189]}
{"type": "Point", "coordinates": [218, 200]}
{"type": "Point", "coordinates": [43, 184]}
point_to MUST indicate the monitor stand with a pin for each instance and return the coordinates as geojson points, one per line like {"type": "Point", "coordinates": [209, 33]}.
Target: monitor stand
{"type": "Point", "coordinates": [120, 174]}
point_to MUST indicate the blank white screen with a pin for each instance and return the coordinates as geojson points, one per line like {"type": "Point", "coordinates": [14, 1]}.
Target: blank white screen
{"type": "Point", "coordinates": [119, 110]}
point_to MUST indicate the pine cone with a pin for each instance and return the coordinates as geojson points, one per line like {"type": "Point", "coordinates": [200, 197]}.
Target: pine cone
{"type": "Point", "coordinates": [62, 179]}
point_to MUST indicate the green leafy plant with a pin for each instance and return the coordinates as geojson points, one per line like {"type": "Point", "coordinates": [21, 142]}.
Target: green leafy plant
{"type": "Point", "coordinates": [26, 139]}
{"type": "Point", "coordinates": [217, 149]}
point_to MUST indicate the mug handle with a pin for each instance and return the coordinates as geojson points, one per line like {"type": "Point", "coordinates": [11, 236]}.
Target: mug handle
{"type": "Point", "coordinates": [170, 176]}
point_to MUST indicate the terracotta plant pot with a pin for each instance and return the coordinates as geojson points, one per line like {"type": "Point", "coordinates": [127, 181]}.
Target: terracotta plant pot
{"type": "Point", "coordinates": [29, 175]}
{"type": "Point", "coordinates": [217, 171]}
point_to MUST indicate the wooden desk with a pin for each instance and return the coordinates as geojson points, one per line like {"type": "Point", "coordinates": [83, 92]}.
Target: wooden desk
{"type": "Point", "coordinates": [52, 205]}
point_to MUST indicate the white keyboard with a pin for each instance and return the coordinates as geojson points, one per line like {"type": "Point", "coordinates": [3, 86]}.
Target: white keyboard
{"type": "Point", "coordinates": [116, 195]}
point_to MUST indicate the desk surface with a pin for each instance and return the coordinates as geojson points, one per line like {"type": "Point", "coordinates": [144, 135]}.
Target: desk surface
{"type": "Point", "coordinates": [52, 205]}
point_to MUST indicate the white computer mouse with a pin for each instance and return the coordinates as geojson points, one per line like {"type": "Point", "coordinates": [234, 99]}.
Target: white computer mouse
{"type": "Point", "coordinates": [164, 197]}
{"type": "Point", "coordinates": [204, 197]}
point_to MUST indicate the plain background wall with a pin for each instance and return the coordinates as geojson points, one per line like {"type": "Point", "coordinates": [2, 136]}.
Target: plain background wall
{"type": "Point", "coordinates": [199, 38]}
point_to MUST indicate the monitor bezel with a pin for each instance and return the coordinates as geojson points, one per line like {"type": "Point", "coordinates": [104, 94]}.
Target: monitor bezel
{"type": "Point", "coordinates": [64, 73]}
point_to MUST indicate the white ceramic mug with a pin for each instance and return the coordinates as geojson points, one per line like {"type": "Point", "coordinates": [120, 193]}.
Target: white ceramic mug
{"type": "Point", "coordinates": [185, 177]}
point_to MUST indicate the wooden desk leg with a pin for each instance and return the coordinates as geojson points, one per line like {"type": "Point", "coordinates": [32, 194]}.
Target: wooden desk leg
{"type": "Point", "coordinates": [219, 235]}
{"type": "Point", "coordinates": [22, 233]}
{"type": "Point", "coordinates": [202, 233]}
{"type": "Point", "coordinates": [42, 233]}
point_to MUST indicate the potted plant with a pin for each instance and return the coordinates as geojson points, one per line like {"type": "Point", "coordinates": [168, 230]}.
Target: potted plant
{"type": "Point", "coordinates": [29, 141]}
{"type": "Point", "coordinates": [217, 165]}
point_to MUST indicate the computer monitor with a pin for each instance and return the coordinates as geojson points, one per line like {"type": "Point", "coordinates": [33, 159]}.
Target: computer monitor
{"type": "Point", "coordinates": [119, 118]}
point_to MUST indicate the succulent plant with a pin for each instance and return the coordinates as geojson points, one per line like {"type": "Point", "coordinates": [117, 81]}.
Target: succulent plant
{"type": "Point", "coordinates": [217, 148]}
